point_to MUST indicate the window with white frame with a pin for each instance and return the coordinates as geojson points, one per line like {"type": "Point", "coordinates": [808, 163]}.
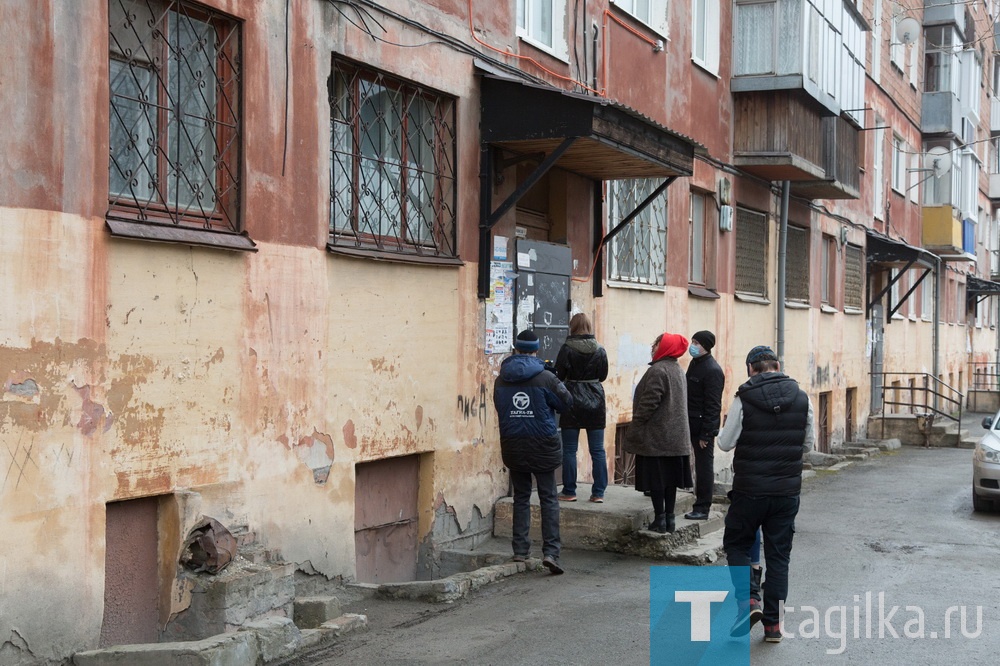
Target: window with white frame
{"type": "Point", "coordinates": [638, 251]}
{"type": "Point", "coordinates": [878, 170]}
{"type": "Point", "coordinates": [542, 22]}
{"type": "Point", "coordinates": [898, 163]}
{"type": "Point", "coordinates": [916, 175]}
{"type": "Point", "coordinates": [877, 41]}
{"type": "Point", "coordinates": [896, 48]}
{"type": "Point", "coordinates": [941, 71]}
{"type": "Point", "coordinates": [914, 63]}
{"type": "Point", "coordinates": [927, 297]}
{"type": "Point", "coordinates": [938, 189]}
{"type": "Point", "coordinates": [654, 13]}
{"type": "Point", "coordinates": [705, 34]}
{"type": "Point", "coordinates": [894, 290]}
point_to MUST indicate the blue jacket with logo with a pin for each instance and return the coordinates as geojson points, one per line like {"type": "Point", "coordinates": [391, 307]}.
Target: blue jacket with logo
{"type": "Point", "coordinates": [527, 397]}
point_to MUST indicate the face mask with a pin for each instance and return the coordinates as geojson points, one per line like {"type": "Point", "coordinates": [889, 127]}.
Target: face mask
{"type": "Point", "coordinates": [695, 351]}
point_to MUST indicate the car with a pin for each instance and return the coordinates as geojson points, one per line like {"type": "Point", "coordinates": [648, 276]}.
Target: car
{"type": "Point", "coordinates": [986, 466]}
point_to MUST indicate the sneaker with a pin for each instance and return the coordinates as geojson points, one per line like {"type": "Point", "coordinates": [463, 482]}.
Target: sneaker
{"type": "Point", "coordinates": [567, 498]}
{"type": "Point", "coordinates": [741, 625]}
{"type": "Point", "coordinates": [550, 563]}
{"type": "Point", "coordinates": [519, 558]}
{"type": "Point", "coordinates": [597, 500]}
{"type": "Point", "coordinates": [772, 633]}
{"type": "Point", "coordinates": [756, 611]}
{"type": "Point", "coordinates": [696, 515]}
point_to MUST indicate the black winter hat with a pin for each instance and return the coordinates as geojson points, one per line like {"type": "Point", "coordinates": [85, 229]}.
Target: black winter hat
{"type": "Point", "coordinates": [526, 341]}
{"type": "Point", "coordinates": [704, 338]}
{"type": "Point", "coordinates": [761, 353]}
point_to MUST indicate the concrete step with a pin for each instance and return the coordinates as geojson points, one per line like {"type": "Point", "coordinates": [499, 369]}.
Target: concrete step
{"type": "Point", "coordinates": [331, 630]}
{"type": "Point", "coordinates": [654, 545]}
{"type": "Point", "coordinates": [705, 551]}
{"type": "Point", "coordinates": [968, 442]}
{"type": "Point", "coordinates": [311, 612]}
{"type": "Point", "coordinates": [589, 526]}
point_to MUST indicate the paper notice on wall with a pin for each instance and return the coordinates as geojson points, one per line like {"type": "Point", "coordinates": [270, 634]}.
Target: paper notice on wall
{"type": "Point", "coordinates": [523, 260]}
{"type": "Point", "coordinates": [500, 308]}
{"type": "Point", "coordinates": [499, 248]}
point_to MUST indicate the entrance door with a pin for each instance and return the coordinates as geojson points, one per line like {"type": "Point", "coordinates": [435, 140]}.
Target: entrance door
{"type": "Point", "coordinates": [543, 302]}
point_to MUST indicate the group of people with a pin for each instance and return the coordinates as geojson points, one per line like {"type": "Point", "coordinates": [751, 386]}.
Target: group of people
{"type": "Point", "coordinates": [675, 415]}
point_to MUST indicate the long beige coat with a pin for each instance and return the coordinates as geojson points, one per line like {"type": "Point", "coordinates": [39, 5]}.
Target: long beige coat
{"type": "Point", "coordinates": [659, 412]}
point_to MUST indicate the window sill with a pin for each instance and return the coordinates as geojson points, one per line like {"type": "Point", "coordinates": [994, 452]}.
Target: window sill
{"type": "Point", "coordinates": [752, 298]}
{"type": "Point", "coordinates": [220, 240]}
{"type": "Point", "coordinates": [642, 286]}
{"type": "Point", "coordinates": [393, 257]}
{"type": "Point", "coordinates": [853, 311]}
{"type": "Point", "coordinates": [705, 68]}
{"type": "Point", "coordinates": [702, 292]}
{"type": "Point", "coordinates": [898, 317]}
{"type": "Point", "coordinates": [927, 319]}
{"type": "Point", "coordinates": [796, 305]}
{"type": "Point", "coordinates": [544, 48]}
{"type": "Point", "coordinates": [828, 309]}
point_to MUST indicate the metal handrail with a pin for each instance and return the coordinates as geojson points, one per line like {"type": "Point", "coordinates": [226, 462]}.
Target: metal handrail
{"type": "Point", "coordinates": [984, 376]}
{"type": "Point", "coordinates": [931, 386]}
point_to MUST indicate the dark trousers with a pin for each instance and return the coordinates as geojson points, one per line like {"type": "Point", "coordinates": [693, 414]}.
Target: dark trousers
{"type": "Point", "coordinates": [775, 516]}
{"type": "Point", "coordinates": [704, 475]}
{"type": "Point", "coordinates": [546, 483]}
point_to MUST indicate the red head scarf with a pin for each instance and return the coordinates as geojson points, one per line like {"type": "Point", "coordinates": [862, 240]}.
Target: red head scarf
{"type": "Point", "coordinates": [671, 345]}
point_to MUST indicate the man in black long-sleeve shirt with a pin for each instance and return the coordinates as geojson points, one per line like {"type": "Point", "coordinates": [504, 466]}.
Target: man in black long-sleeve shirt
{"type": "Point", "coordinates": [705, 381]}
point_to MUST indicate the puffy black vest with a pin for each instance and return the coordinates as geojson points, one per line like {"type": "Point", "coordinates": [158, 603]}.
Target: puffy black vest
{"type": "Point", "coordinates": [768, 459]}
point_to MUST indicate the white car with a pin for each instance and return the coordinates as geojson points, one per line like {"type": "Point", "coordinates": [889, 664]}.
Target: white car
{"type": "Point", "coordinates": [986, 467]}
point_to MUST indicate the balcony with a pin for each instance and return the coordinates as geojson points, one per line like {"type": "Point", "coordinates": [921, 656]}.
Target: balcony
{"type": "Point", "coordinates": [941, 113]}
{"type": "Point", "coordinates": [994, 191]}
{"type": "Point", "coordinates": [947, 236]}
{"type": "Point", "coordinates": [994, 116]}
{"type": "Point", "coordinates": [775, 136]}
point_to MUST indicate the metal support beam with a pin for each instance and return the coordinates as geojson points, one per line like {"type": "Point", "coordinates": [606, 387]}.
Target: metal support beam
{"type": "Point", "coordinates": [529, 182]}
{"type": "Point", "coordinates": [909, 291]}
{"type": "Point", "coordinates": [886, 289]}
{"type": "Point", "coordinates": [597, 275]}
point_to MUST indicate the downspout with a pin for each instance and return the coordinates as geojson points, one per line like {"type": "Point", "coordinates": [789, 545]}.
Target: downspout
{"type": "Point", "coordinates": [782, 258]}
{"type": "Point", "coordinates": [936, 335]}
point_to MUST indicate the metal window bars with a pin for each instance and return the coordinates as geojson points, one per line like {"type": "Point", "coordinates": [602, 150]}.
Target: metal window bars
{"type": "Point", "coordinates": [751, 252]}
{"type": "Point", "coordinates": [797, 265]}
{"type": "Point", "coordinates": [854, 285]}
{"type": "Point", "coordinates": [638, 252]}
{"type": "Point", "coordinates": [175, 130]}
{"type": "Point", "coordinates": [392, 164]}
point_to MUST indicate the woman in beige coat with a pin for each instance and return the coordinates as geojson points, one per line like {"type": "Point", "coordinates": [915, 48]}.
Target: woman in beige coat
{"type": "Point", "coordinates": [659, 435]}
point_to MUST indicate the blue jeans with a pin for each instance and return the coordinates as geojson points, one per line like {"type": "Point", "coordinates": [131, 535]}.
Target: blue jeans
{"type": "Point", "coordinates": [595, 442]}
{"type": "Point", "coordinates": [775, 516]}
{"type": "Point", "coordinates": [546, 483]}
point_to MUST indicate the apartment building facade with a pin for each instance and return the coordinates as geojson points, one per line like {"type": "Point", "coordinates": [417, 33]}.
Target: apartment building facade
{"type": "Point", "coordinates": [264, 259]}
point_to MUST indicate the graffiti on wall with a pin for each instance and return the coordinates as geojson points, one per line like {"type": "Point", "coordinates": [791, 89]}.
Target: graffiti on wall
{"type": "Point", "coordinates": [474, 406]}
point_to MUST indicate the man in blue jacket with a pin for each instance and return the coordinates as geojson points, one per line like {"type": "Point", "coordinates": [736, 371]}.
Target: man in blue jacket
{"type": "Point", "coordinates": [526, 397]}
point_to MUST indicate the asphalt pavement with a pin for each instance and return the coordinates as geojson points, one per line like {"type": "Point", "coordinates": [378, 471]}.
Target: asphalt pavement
{"type": "Point", "coordinates": [897, 530]}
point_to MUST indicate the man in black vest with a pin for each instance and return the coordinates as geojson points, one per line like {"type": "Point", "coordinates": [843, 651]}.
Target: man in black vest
{"type": "Point", "coordinates": [771, 426]}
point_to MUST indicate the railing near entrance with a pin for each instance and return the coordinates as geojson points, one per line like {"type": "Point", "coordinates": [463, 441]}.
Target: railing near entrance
{"type": "Point", "coordinates": [984, 376]}
{"type": "Point", "coordinates": [927, 395]}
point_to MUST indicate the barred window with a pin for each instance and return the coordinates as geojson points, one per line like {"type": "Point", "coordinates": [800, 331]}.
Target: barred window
{"type": "Point", "coordinates": [175, 130]}
{"type": "Point", "coordinates": [751, 252]}
{"type": "Point", "coordinates": [392, 162]}
{"type": "Point", "coordinates": [854, 283]}
{"type": "Point", "coordinates": [797, 265]}
{"type": "Point", "coordinates": [638, 252]}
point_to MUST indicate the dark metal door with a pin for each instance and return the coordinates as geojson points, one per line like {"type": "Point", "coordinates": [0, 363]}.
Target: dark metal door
{"type": "Point", "coordinates": [543, 301]}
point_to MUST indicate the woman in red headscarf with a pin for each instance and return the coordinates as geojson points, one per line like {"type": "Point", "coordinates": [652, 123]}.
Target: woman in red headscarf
{"type": "Point", "coordinates": [659, 435]}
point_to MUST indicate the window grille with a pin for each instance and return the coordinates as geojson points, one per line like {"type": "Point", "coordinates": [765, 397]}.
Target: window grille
{"type": "Point", "coordinates": [797, 265]}
{"type": "Point", "coordinates": [854, 283]}
{"type": "Point", "coordinates": [175, 128]}
{"type": "Point", "coordinates": [392, 164]}
{"type": "Point", "coordinates": [638, 252]}
{"type": "Point", "coordinates": [751, 252]}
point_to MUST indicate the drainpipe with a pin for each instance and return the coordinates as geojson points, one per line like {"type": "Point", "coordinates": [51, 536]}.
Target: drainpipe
{"type": "Point", "coordinates": [782, 258]}
{"type": "Point", "coordinates": [936, 338]}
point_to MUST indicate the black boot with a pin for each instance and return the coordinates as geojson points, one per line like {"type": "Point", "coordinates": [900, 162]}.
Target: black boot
{"type": "Point", "coordinates": [670, 526]}
{"type": "Point", "coordinates": [659, 523]}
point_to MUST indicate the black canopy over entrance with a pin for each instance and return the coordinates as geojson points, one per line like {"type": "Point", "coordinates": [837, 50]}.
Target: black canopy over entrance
{"type": "Point", "coordinates": [589, 136]}
{"type": "Point", "coordinates": [884, 253]}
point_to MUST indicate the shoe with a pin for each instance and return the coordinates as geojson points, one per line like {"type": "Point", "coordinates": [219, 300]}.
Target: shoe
{"type": "Point", "coordinates": [647, 493]}
{"type": "Point", "coordinates": [696, 515]}
{"type": "Point", "coordinates": [741, 625]}
{"type": "Point", "coordinates": [597, 500]}
{"type": "Point", "coordinates": [659, 523]}
{"type": "Point", "coordinates": [550, 563]}
{"type": "Point", "coordinates": [566, 498]}
{"type": "Point", "coordinates": [772, 633]}
{"type": "Point", "coordinates": [671, 522]}
{"type": "Point", "coordinates": [519, 558]}
{"type": "Point", "coordinates": [756, 612]}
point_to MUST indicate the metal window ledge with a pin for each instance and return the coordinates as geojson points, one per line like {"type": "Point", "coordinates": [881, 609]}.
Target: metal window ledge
{"type": "Point", "coordinates": [395, 257]}
{"type": "Point", "coordinates": [220, 240]}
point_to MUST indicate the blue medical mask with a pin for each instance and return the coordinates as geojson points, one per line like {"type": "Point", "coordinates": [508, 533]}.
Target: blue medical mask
{"type": "Point", "coordinates": [695, 351]}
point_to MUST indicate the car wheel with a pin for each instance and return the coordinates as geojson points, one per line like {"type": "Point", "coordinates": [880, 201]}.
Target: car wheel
{"type": "Point", "coordinates": [980, 504]}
